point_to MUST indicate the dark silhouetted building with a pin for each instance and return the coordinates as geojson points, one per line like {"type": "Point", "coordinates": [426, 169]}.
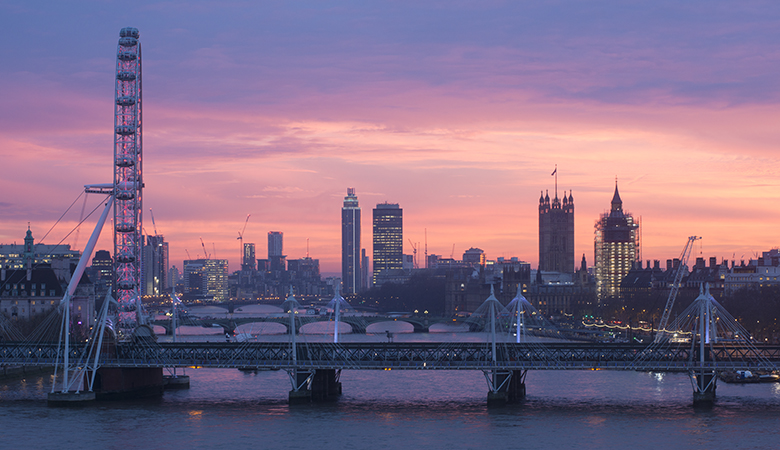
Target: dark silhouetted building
{"type": "Point", "coordinates": [556, 233]}
{"type": "Point", "coordinates": [350, 244]}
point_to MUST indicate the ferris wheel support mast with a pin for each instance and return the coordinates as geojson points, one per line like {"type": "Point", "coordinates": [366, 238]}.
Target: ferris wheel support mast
{"type": "Point", "coordinates": [128, 180]}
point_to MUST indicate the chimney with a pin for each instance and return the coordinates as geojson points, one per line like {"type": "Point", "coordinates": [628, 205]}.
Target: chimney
{"type": "Point", "coordinates": [668, 264]}
{"type": "Point", "coordinates": [713, 261]}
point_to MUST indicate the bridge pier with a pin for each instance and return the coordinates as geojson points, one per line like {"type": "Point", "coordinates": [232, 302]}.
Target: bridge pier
{"type": "Point", "coordinates": [704, 382]}
{"type": "Point", "coordinates": [326, 385]}
{"type": "Point", "coordinates": [115, 383]}
{"type": "Point", "coordinates": [506, 386]}
{"type": "Point", "coordinates": [301, 391]}
{"type": "Point", "coordinates": [314, 386]}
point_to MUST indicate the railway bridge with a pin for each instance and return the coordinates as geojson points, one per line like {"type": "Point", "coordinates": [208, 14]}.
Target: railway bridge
{"type": "Point", "coordinates": [315, 368]}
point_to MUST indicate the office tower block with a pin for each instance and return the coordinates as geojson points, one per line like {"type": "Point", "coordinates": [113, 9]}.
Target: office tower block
{"type": "Point", "coordinates": [388, 241]}
{"type": "Point", "coordinates": [275, 244]}
{"type": "Point", "coordinates": [350, 244]}
{"type": "Point", "coordinates": [206, 279]}
{"type": "Point", "coordinates": [276, 256]}
{"type": "Point", "coordinates": [248, 260]}
{"type": "Point", "coordinates": [155, 265]}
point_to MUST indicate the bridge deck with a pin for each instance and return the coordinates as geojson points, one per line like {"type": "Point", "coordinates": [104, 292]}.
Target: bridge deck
{"type": "Point", "coordinates": [451, 356]}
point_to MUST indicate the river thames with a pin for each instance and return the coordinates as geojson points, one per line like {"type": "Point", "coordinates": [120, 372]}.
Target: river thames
{"type": "Point", "coordinates": [227, 408]}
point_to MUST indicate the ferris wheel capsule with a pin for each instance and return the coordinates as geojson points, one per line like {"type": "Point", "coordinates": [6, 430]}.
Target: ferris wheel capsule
{"type": "Point", "coordinates": [125, 100]}
{"type": "Point", "coordinates": [126, 56]}
{"type": "Point", "coordinates": [125, 76]}
{"type": "Point", "coordinates": [128, 42]}
{"type": "Point", "coordinates": [129, 32]}
{"type": "Point", "coordinates": [125, 130]}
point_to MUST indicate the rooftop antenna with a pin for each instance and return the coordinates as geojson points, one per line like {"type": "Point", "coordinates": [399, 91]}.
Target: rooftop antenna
{"type": "Point", "coordinates": [426, 248]}
{"type": "Point", "coordinates": [555, 172]}
{"type": "Point", "coordinates": [307, 247]}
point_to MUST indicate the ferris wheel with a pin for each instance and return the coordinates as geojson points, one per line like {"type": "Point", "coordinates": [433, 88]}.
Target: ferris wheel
{"type": "Point", "coordinates": [128, 178]}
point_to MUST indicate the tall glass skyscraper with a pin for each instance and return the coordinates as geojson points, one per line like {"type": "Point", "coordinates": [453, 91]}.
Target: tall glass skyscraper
{"type": "Point", "coordinates": [276, 256]}
{"type": "Point", "coordinates": [155, 265]}
{"type": "Point", "coordinates": [388, 240]}
{"type": "Point", "coordinates": [350, 244]}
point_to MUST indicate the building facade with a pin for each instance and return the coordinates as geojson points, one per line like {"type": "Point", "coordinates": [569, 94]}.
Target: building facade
{"type": "Point", "coordinates": [388, 241]}
{"type": "Point", "coordinates": [351, 273]}
{"type": "Point", "coordinates": [16, 256]}
{"type": "Point", "coordinates": [276, 258]}
{"type": "Point", "coordinates": [556, 233]}
{"type": "Point", "coordinates": [762, 272]}
{"type": "Point", "coordinates": [101, 272]}
{"type": "Point", "coordinates": [248, 258]}
{"type": "Point", "coordinates": [275, 241]}
{"type": "Point", "coordinates": [616, 248]}
{"type": "Point", "coordinates": [206, 279]}
{"type": "Point", "coordinates": [154, 269]}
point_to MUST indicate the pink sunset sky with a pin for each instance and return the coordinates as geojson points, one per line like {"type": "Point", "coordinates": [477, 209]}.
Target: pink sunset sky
{"type": "Point", "coordinates": [458, 111]}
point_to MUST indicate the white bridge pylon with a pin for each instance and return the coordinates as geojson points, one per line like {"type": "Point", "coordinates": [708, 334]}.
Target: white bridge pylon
{"type": "Point", "coordinates": [79, 368]}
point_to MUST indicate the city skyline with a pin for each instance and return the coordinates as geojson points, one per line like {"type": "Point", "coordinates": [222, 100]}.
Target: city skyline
{"type": "Point", "coordinates": [459, 115]}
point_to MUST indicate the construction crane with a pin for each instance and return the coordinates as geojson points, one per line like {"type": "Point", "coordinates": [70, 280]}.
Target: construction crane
{"type": "Point", "coordinates": [153, 224]}
{"type": "Point", "coordinates": [205, 252]}
{"type": "Point", "coordinates": [414, 252]}
{"type": "Point", "coordinates": [686, 253]}
{"type": "Point", "coordinates": [426, 248]}
{"type": "Point", "coordinates": [241, 239]}
{"type": "Point", "coordinates": [452, 253]}
{"type": "Point", "coordinates": [188, 254]}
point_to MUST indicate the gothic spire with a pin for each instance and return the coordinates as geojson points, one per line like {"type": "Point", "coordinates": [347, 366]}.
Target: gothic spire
{"type": "Point", "coordinates": [617, 204]}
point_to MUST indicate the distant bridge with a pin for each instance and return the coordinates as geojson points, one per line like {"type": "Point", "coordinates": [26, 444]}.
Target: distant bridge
{"type": "Point", "coordinates": [358, 323]}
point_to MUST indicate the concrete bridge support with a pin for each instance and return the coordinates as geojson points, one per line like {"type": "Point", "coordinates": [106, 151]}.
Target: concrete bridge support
{"type": "Point", "coordinates": [301, 391]}
{"type": "Point", "coordinates": [704, 382]}
{"type": "Point", "coordinates": [326, 385]}
{"type": "Point", "coordinates": [112, 383]}
{"type": "Point", "coordinates": [506, 386]}
{"type": "Point", "coordinates": [315, 386]}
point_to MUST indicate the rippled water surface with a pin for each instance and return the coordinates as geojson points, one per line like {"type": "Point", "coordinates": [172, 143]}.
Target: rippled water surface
{"type": "Point", "coordinates": [226, 408]}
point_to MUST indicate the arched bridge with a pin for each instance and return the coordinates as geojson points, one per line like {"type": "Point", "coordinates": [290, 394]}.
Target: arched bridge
{"type": "Point", "coordinates": [358, 323]}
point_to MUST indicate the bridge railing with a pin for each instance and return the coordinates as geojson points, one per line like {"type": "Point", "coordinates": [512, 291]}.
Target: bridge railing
{"type": "Point", "coordinates": [406, 356]}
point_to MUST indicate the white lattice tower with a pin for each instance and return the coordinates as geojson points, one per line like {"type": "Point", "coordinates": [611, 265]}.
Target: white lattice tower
{"type": "Point", "coordinates": [128, 178]}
